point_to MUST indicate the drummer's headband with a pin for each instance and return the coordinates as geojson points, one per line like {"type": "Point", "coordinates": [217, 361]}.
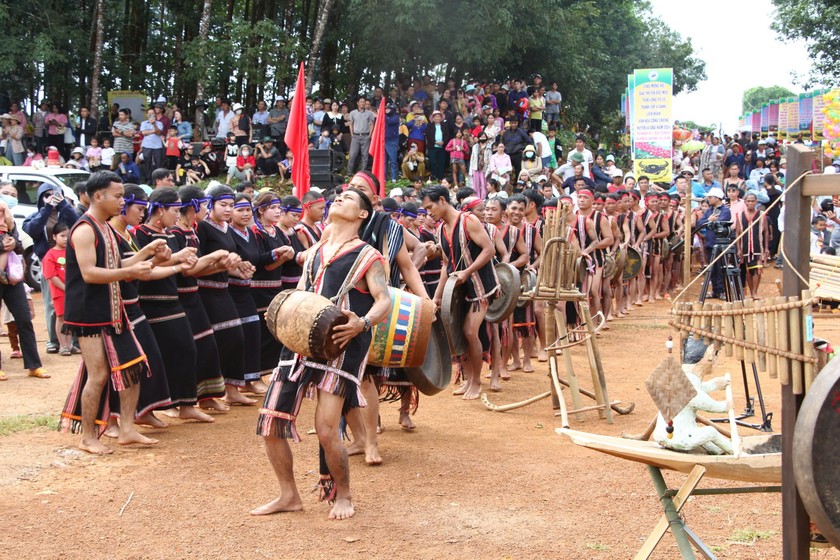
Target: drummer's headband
{"type": "Point", "coordinates": [585, 192]}
{"type": "Point", "coordinates": [366, 178]}
{"type": "Point", "coordinates": [470, 205]}
{"type": "Point", "coordinates": [311, 203]}
{"type": "Point", "coordinates": [651, 195]}
{"type": "Point", "coordinates": [635, 195]}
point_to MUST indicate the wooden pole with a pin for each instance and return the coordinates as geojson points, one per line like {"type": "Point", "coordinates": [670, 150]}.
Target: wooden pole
{"type": "Point", "coordinates": [687, 230]}
{"type": "Point", "coordinates": [795, 537]}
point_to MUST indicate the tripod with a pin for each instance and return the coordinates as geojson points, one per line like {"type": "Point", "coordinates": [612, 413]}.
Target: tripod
{"type": "Point", "coordinates": [733, 290]}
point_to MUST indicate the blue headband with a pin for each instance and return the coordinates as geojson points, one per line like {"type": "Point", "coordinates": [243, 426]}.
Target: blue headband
{"type": "Point", "coordinates": [243, 204]}
{"type": "Point", "coordinates": [155, 206]}
{"type": "Point", "coordinates": [130, 199]}
{"type": "Point", "coordinates": [291, 209]}
{"type": "Point", "coordinates": [271, 202]}
{"type": "Point", "coordinates": [407, 213]}
{"type": "Point", "coordinates": [196, 203]}
{"type": "Point", "coordinates": [215, 199]}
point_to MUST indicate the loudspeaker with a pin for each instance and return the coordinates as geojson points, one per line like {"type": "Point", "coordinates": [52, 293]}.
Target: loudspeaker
{"type": "Point", "coordinates": [321, 168]}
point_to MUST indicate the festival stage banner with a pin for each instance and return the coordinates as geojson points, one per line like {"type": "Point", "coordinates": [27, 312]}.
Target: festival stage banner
{"type": "Point", "coordinates": [765, 119]}
{"type": "Point", "coordinates": [818, 117]}
{"type": "Point", "coordinates": [793, 117]}
{"type": "Point", "coordinates": [783, 111]}
{"type": "Point", "coordinates": [773, 123]}
{"type": "Point", "coordinates": [806, 102]}
{"type": "Point", "coordinates": [748, 122]}
{"type": "Point", "coordinates": [652, 125]}
{"type": "Point", "coordinates": [742, 121]}
{"type": "Point", "coordinates": [756, 122]}
{"type": "Point", "coordinates": [631, 109]}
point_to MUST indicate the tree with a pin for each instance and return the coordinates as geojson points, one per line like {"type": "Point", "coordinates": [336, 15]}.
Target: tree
{"type": "Point", "coordinates": [317, 40]}
{"type": "Point", "coordinates": [97, 59]}
{"type": "Point", "coordinates": [754, 97]}
{"type": "Point", "coordinates": [691, 125]}
{"type": "Point", "coordinates": [815, 22]}
{"type": "Point", "coordinates": [203, 30]}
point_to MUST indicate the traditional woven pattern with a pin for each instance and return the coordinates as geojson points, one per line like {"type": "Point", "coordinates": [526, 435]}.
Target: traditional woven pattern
{"type": "Point", "coordinates": [401, 340]}
{"type": "Point", "coordinates": [670, 388]}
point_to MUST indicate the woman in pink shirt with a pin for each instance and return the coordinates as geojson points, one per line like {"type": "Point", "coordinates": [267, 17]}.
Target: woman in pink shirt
{"type": "Point", "coordinates": [56, 123]}
{"type": "Point", "coordinates": [458, 149]}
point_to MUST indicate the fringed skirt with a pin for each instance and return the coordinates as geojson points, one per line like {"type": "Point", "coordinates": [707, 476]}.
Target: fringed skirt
{"type": "Point", "coordinates": [524, 320]}
{"type": "Point", "coordinates": [209, 381]}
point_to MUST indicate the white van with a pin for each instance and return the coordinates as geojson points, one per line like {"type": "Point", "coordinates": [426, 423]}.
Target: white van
{"type": "Point", "coordinates": [27, 180]}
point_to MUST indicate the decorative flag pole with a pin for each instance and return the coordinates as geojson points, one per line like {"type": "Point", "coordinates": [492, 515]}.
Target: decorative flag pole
{"type": "Point", "coordinates": [297, 137]}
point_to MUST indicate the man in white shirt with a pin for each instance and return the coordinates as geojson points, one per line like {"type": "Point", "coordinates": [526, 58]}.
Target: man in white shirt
{"type": "Point", "coordinates": [580, 147]}
{"type": "Point", "coordinates": [223, 119]}
{"type": "Point", "coordinates": [542, 146]}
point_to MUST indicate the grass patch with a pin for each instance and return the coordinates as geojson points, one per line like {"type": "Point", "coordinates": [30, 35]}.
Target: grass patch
{"type": "Point", "coordinates": [750, 535]}
{"type": "Point", "coordinates": [26, 423]}
{"type": "Point", "coordinates": [597, 546]}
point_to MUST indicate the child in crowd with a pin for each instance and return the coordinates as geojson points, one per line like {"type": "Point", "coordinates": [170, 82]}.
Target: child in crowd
{"type": "Point", "coordinates": [54, 270]}
{"type": "Point", "coordinates": [286, 166]}
{"type": "Point", "coordinates": [173, 148]}
{"type": "Point", "coordinates": [7, 222]}
{"type": "Point", "coordinates": [458, 150]}
{"type": "Point", "coordinates": [324, 140]}
{"type": "Point", "coordinates": [244, 167]}
{"type": "Point", "coordinates": [106, 161]}
{"type": "Point", "coordinates": [94, 155]}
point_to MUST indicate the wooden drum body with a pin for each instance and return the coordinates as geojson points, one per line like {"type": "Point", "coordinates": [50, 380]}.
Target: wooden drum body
{"type": "Point", "coordinates": [400, 341]}
{"type": "Point", "coordinates": [303, 322]}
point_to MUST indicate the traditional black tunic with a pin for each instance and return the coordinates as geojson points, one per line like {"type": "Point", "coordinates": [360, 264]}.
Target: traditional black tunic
{"type": "Point", "coordinates": [460, 251]}
{"type": "Point", "coordinates": [753, 244]}
{"type": "Point", "coordinates": [159, 301]}
{"type": "Point", "coordinates": [431, 270]}
{"type": "Point", "coordinates": [240, 291]}
{"type": "Point", "coordinates": [210, 383]}
{"type": "Point", "coordinates": [219, 305]}
{"type": "Point", "coordinates": [290, 270]}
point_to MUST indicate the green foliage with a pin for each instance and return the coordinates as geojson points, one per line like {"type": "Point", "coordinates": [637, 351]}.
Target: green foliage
{"type": "Point", "coordinates": [26, 423]}
{"type": "Point", "coordinates": [254, 47]}
{"type": "Point", "coordinates": [691, 125]}
{"type": "Point", "coordinates": [814, 21]}
{"type": "Point", "coordinates": [755, 96]}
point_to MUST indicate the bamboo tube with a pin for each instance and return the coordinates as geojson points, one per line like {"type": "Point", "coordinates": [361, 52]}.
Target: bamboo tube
{"type": "Point", "coordinates": [707, 323]}
{"type": "Point", "coordinates": [783, 342]}
{"type": "Point", "coordinates": [825, 260]}
{"type": "Point", "coordinates": [738, 321]}
{"type": "Point", "coordinates": [696, 320]}
{"type": "Point", "coordinates": [728, 331]}
{"type": "Point", "coordinates": [718, 325]}
{"type": "Point", "coordinates": [807, 339]}
{"type": "Point", "coordinates": [749, 332]}
{"type": "Point", "coordinates": [795, 332]}
{"type": "Point", "coordinates": [761, 339]}
{"type": "Point", "coordinates": [772, 362]}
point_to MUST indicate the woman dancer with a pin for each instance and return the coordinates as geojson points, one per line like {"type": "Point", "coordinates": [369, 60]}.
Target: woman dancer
{"type": "Point", "coordinates": [214, 234]}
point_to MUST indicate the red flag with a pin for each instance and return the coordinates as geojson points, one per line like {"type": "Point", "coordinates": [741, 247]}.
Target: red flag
{"type": "Point", "coordinates": [377, 147]}
{"type": "Point", "coordinates": [297, 137]}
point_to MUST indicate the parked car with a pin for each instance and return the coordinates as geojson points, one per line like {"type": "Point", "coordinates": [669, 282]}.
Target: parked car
{"type": "Point", "coordinates": [27, 180]}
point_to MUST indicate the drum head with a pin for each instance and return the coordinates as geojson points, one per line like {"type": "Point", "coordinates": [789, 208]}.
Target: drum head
{"type": "Point", "coordinates": [436, 372]}
{"type": "Point", "coordinates": [453, 312]}
{"type": "Point", "coordinates": [528, 281]}
{"type": "Point", "coordinates": [509, 288]}
{"type": "Point", "coordinates": [633, 264]}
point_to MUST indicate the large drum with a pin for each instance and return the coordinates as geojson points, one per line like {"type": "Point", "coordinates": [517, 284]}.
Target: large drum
{"type": "Point", "coordinates": [303, 322]}
{"type": "Point", "coordinates": [400, 340]}
{"type": "Point", "coordinates": [435, 374]}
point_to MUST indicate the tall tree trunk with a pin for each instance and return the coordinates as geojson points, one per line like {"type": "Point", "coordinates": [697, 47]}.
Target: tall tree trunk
{"type": "Point", "coordinates": [317, 39]}
{"type": "Point", "coordinates": [97, 59]}
{"type": "Point", "coordinates": [199, 131]}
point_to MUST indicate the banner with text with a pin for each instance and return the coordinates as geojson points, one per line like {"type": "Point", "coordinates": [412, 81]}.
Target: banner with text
{"type": "Point", "coordinates": [818, 117]}
{"type": "Point", "coordinates": [783, 111]}
{"type": "Point", "coordinates": [651, 123]}
{"type": "Point", "coordinates": [806, 103]}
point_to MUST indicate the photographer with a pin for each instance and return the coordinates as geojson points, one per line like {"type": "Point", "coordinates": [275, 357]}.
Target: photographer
{"type": "Point", "coordinates": [718, 218]}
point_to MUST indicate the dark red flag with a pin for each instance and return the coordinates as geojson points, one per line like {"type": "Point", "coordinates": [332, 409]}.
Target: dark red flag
{"type": "Point", "coordinates": [297, 137]}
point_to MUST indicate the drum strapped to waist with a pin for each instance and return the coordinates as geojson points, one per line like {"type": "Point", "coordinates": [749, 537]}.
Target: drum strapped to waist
{"type": "Point", "coordinates": [401, 340]}
{"type": "Point", "coordinates": [303, 322]}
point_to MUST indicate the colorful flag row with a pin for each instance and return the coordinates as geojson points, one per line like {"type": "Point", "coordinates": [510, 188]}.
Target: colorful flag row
{"type": "Point", "coordinates": [789, 118]}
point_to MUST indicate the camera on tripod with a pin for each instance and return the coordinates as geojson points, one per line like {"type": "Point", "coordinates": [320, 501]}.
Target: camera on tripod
{"type": "Point", "coordinates": [724, 232]}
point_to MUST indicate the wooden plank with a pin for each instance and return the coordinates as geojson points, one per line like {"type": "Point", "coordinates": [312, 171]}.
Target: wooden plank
{"type": "Point", "coordinates": [728, 330]}
{"type": "Point", "coordinates": [819, 185]}
{"type": "Point", "coordinates": [795, 537]}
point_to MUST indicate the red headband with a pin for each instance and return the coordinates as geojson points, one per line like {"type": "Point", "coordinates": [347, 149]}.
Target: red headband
{"type": "Point", "coordinates": [470, 205]}
{"type": "Point", "coordinates": [309, 204]}
{"type": "Point", "coordinates": [585, 192]}
{"type": "Point", "coordinates": [367, 179]}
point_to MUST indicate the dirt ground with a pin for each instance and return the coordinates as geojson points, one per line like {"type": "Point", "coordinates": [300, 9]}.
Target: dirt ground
{"type": "Point", "coordinates": [467, 483]}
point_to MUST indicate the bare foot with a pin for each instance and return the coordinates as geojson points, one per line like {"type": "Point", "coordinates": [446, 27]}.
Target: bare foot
{"type": "Point", "coordinates": [609, 317]}
{"type": "Point", "coordinates": [149, 419]}
{"type": "Point", "coordinates": [405, 421]}
{"type": "Point", "coordinates": [515, 366]}
{"type": "Point", "coordinates": [495, 386]}
{"type": "Point", "coordinates": [214, 404]}
{"type": "Point", "coordinates": [461, 390]}
{"type": "Point", "coordinates": [504, 375]}
{"type": "Point", "coordinates": [171, 412]}
{"type": "Point", "coordinates": [132, 437]}
{"type": "Point", "coordinates": [256, 387]}
{"type": "Point", "coordinates": [279, 505]}
{"type": "Point", "coordinates": [528, 368]}
{"type": "Point", "coordinates": [372, 456]}
{"type": "Point", "coordinates": [473, 392]}
{"type": "Point", "coordinates": [94, 446]}
{"type": "Point", "coordinates": [113, 429]}
{"type": "Point", "coordinates": [192, 413]}
{"type": "Point", "coordinates": [342, 509]}
{"type": "Point", "coordinates": [356, 448]}
{"type": "Point", "coordinates": [543, 357]}
{"type": "Point", "coordinates": [638, 303]}
{"type": "Point", "coordinates": [233, 396]}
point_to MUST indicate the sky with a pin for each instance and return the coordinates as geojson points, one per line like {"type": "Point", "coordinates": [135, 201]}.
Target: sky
{"type": "Point", "coordinates": [711, 27]}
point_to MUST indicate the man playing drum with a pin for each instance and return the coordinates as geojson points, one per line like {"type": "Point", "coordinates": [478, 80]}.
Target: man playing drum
{"type": "Point", "coordinates": [468, 251]}
{"type": "Point", "coordinates": [349, 270]}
